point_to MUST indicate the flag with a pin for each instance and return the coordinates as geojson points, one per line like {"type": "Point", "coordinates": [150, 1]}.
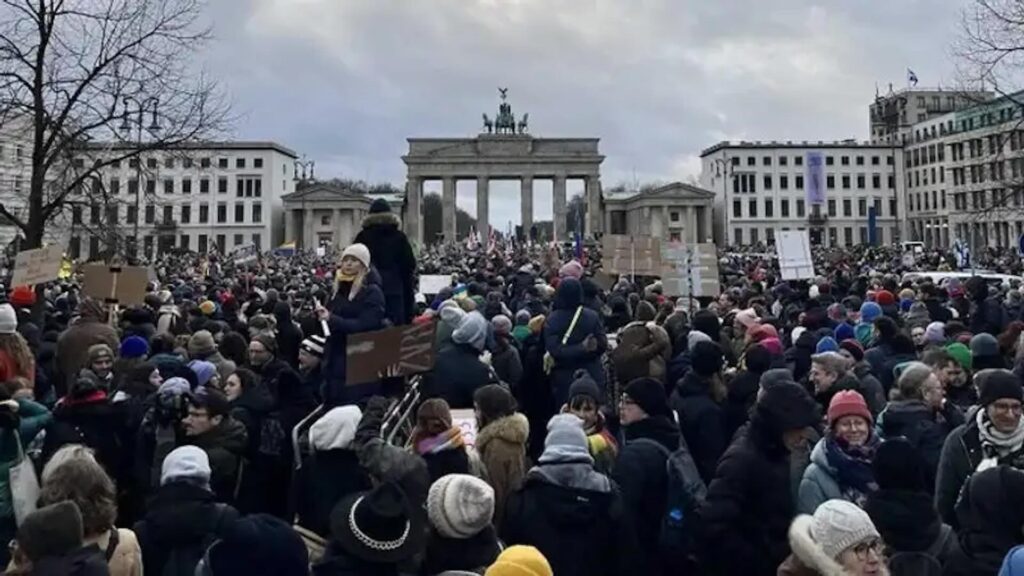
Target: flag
{"type": "Point", "coordinates": [911, 77]}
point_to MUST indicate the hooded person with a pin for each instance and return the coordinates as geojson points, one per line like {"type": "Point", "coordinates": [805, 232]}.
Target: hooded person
{"type": "Point", "coordinates": [992, 436]}
{"type": "Point", "coordinates": [72, 353]}
{"type": "Point", "coordinates": [752, 498]}
{"type": "Point", "coordinates": [573, 338]}
{"type": "Point", "coordinates": [985, 352]}
{"type": "Point", "coordinates": [585, 400]}
{"type": "Point", "coordinates": [460, 509]}
{"type": "Point", "coordinates": [289, 336]}
{"type": "Point", "coordinates": [458, 371]}
{"type": "Point", "coordinates": [395, 262]}
{"type": "Point", "coordinates": [565, 506]}
{"type": "Point", "coordinates": [838, 539]}
{"type": "Point", "coordinates": [990, 513]}
{"type": "Point", "coordinates": [202, 346]}
{"type": "Point", "coordinates": [702, 421]}
{"type": "Point", "coordinates": [50, 541]}
{"type": "Point", "coordinates": [643, 348]}
{"type": "Point", "coordinates": [501, 442]}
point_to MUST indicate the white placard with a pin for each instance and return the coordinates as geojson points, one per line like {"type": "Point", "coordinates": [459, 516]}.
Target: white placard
{"type": "Point", "coordinates": [465, 420]}
{"type": "Point", "coordinates": [432, 284]}
{"type": "Point", "coordinates": [794, 249]}
{"type": "Point", "coordinates": [37, 266]}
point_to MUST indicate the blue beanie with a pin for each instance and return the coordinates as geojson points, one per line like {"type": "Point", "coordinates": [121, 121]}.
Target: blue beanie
{"type": "Point", "coordinates": [134, 347]}
{"type": "Point", "coordinates": [905, 304]}
{"type": "Point", "coordinates": [869, 311]}
{"type": "Point", "coordinates": [1013, 564]}
{"type": "Point", "coordinates": [843, 332]}
{"type": "Point", "coordinates": [827, 344]}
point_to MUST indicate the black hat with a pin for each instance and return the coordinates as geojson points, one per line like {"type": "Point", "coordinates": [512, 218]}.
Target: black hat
{"type": "Point", "coordinates": [215, 402]}
{"type": "Point", "coordinates": [898, 466]}
{"type": "Point", "coordinates": [53, 530]}
{"type": "Point", "coordinates": [649, 395]}
{"type": "Point", "coordinates": [259, 545]}
{"type": "Point", "coordinates": [786, 406]}
{"type": "Point", "coordinates": [380, 205]}
{"type": "Point", "coordinates": [707, 322]}
{"type": "Point", "coordinates": [584, 385]}
{"type": "Point", "coordinates": [1000, 384]}
{"type": "Point", "coordinates": [378, 526]}
{"type": "Point", "coordinates": [706, 358]}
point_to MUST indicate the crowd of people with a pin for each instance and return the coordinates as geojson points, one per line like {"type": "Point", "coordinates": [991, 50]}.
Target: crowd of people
{"type": "Point", "coordinates": [849, 424]}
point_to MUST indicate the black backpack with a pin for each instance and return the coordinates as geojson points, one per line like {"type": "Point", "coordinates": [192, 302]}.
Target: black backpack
{"type": "Point", "coordinates": [182, 561]}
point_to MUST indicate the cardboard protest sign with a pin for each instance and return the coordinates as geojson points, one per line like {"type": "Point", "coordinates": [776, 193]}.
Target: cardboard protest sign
{"type": "Point", "coordinates": [431, 284]}
{"type": "Point", "coordinates": [690, 270]}
{"type": "Point", "coordinates": [604, 281]}
{"type": "Point", "coordinates": [465, 419]}
{"type": "Point", "coordinates": [409, 349]}
{"type": "Point", "coordinates": [640, 255]}
{"type": "Point", "coordinates": [37, 266]}
{"type": "Point", "coordinates": [245, 253]}
{"type": "Point", "coordinates": [122, 285]}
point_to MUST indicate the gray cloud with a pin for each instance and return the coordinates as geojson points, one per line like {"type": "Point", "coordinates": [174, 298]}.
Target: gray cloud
{"type": "Point", "coordinates": [347, 81]}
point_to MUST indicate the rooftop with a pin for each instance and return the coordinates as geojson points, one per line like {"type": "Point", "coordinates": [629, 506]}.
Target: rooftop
{"type": "Point", "coordinates": [761, 144]}
{"type": "Point", "coordinates": [203, 145]}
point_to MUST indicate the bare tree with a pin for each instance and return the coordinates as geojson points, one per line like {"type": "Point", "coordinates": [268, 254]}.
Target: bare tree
{"type": "Point", "coordinates": [68, 71]}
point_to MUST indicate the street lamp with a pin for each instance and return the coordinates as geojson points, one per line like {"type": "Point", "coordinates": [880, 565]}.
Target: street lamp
{"type": "Point", "coordinates": [136, 119]}
{"type": "Point", "coordinates": [726, 167]}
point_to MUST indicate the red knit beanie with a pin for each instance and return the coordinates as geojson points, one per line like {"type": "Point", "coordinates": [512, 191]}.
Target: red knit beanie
{"type": "Point", "coordinates": [23, 296]}
{"type": "Point", "coordinates": [885, 298]}
{"type": "Point", "coordinates": [847, 403]}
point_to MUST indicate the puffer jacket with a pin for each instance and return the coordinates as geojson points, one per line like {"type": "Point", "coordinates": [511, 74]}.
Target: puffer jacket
{"type": "Point", "coordinates": [502, 448]}
{"type": "Point", "coordinates": [819, 482]}
{"type": "Point", "coordinates": [642, 351]}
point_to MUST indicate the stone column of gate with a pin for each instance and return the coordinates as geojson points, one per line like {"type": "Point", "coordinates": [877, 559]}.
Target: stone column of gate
{"type": "Point", "coordinates": [526, 204]}
{"type": "Point", "coordinates": [559, 210]}
{"type": "Point", "coordinates": [289, 225]}
{"type": "Point", "coordinates": [413, 213]}
{"type": "Point", "coordinates": [308, 242]}
{"type": "Point", "coordinates": [482, 208]}
{"type": "Point", "coordinates": [593, 197]}
{"type": "Point", "coordinates": [448, 218]}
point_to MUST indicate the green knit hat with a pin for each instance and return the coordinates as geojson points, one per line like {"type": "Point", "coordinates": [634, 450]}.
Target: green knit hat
{"type": "Point", "coordinates": [962, 355]}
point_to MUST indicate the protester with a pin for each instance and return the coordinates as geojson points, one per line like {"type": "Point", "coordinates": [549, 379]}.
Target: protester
{"type": "Point", "coordinates": [989, 515]}
{"type": "Point", "coordinates": [460, 509]}
{"type": "Point", "coordinates": [518, 560]}
{"type": "Point", "coordinates": [74, 344]}
{"type": "Point", "coordinates": [838, 538]}
{"type": "Point", "coordinates": [50, 541]}
{"type": "Point", "coordinates": [585, 404]}
{"type": "Point", "coordinates": [257, 545]}
{"type": "Point", "coordinates": [573, 339]}
{"type": "Point", "coordinates": [441, 444]}
{"type": "Point", "coordinates": [209, 425]}
{"type": "Point", "coordinates": [16, 358]}
{"type": "Point", "coordinates": [501, 441]}
{"type": "Point", "coordinates": [390, 249]}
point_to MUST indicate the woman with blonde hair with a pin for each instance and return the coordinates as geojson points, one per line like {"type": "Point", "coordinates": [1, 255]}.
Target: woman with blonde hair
{"type": "Point", "coordinates": [73, 474]}
{"type": "Point", "coordinates": [357, 305]}
{"type": "Point", "coordinates": [16, 358]}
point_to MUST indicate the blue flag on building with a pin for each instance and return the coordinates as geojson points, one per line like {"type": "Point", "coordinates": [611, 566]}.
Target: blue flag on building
{"type": "Point", "coordinates": [911, 77]}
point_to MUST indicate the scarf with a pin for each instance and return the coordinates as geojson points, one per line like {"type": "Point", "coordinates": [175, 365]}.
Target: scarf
{"type": "Point", "coordinates": [450, 439]}
{"type": "Point", "coordinates": [996, 444]}
{"type": "Point", "coordinates": [853, 466]}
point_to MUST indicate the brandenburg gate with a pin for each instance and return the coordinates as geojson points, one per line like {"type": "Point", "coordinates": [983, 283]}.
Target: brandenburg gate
{"type": "Point", "coordinates": [504, 150]}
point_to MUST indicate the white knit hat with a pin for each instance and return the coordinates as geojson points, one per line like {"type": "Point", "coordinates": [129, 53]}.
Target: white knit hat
{"type": "Point", "coordinates": [460, 506]}
{"type": "Point", "coordinates": [8, 319]}
{"type": "Point", "coordinates": [359, 252]}
{"type": "Point", "coordinates": [186, 463]}
{"type": "Point", "coordinates": [336, 429]}
{"type": "Point", "coordinates": [838, 525]}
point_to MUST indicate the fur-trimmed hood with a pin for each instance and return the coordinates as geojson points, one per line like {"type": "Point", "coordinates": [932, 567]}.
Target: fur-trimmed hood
{"type": "Point", "coordinates": [381, 219]}
{"type": "Point", "coordinates": [810, 554]}
{"type": "Point", "coordinates": [512, 429]}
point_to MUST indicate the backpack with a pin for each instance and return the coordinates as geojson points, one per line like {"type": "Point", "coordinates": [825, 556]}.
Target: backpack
{"type": "Point", "coordinates": [923, 563]}
{"type": "Point", "coordinates": [685, 493]}
{"type": "Point", "coordinates": [182, 561]}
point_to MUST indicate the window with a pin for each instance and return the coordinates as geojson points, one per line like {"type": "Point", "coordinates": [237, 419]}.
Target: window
{"type": "Point", "coordinates": [112, 214]}
{"type": "Point", "coordinates": [848, 236]}
{"type": "Point", "coordinates": [147, 246]}
{"type": "Point", "coordinates": [168, 214]}
{"type": "Point", "coordinates": [115, 186]}
{"type": "Point", "coordinates": [860, 160]}
{"type": "Point", "coordinates": [673, 216]}
{"type": "Point", "coordinates": [221, 242]}
{"type": "Point", "coordinates": [169, 162]}
{"type": "Point", "coordinates": [76, 214]}
{"type": "Point", "coordinates": [186, 162]}
{"type": "Point", "coordinates": [169, 186]}
{"type": "Point", "coordinates": [783, 160]}
{"type": "Point", "coordinates": [183, 241]}
{"type": "Point", "coordinates": [829, 161]}
{"type": "Point", "coordinates": [239, 187]}
{"type": "Point", "coordinates": [767, 161]}
{"type": "Point", "coordinates": [204, 162]}
{"type": "Point", "coordinates": [863, 235]}
{"type": "Point", "coordinates": [133, 215]}
{"type": "Point", "coordinates": [203, 244]}
{"type": "Point", "coordinates": [19, 152]}
{"type": "Point", "coordinates": [874, 160]}
{"type": "Point", "coordinates": [769, 235]}
{"type": "Point", "coordinates": [892, 206]}
{"type": "Point", "coordinates": [799, 182]}
{"type": "Point", "coordinates": [784, 181]}
{"type": "Point", "coordinates": [222, 162]}
{"type": "Point", "coordinates": [847, 208]}
{"type": "Point", "coordinates": [846, 181]}
{"type": "Point", "coordinates": [799, 207]}
{"type": "Point", "coordinates": [186, 185]}
{"type": "Point", "coordinates": [257, 213]}
{"type": "Point", "coordinates": [238, 239]}
{"type": "Point", "coordinates": [752, 207]}
{"type": "Point", "coordinates": [257, 241]}
{"type": "Point", "coordinates": [860, 181]}
{"type": "Point", "coordinates": [239, 213]}
{"type": "Point", "coordinates": [832, 207]}
{"type": "Point", "coordinates": [222, 212]}
{"type": "Point", "coordinates": [150, 162]}
{"type": "Point", "coordinates": [767, 182]}
{"type": "Point", "coordinates": [239, 162]}
{"type": "Point", "coordinates": [798, 160]}
{"type": "Point", "coordinates": [204, 185]}
{"type": "Point", "coordinates": [784, 208]}
{"type": "Point", "coordinates": [222, 185]}
{"type": "Point", "coordinates": [876, 181]}
{"type": "Point", "coordinates": [151, 187]}
{"type": "Point", "coordinates": [186, 214]}
{"type": "Point", "coordinates": [115, 164]}
{"type": "Point", "coordinates": [94, 247]}
{"type": "Point", "coordinates": [844, 160]}
{"type": "Point", "coordinates": [94, 214]}
{"type": "Point", "coordinates": [754, 236]}
{"type": "Point", "coordinates": [737, 209]}
{"type": "Point", "coordinates": [737, 235]}
{"type": "Point", "coordinates": [133, 162]}
{"type": "Point", "coordinates": [735, 162]}
{"type": "Point", "coordinates": [150, 214]}
{"type": "Point", "coordinates": [257, 162]}
{"type": "Point", "coordinates": [889, 160]}
{"type": "Point", "coordinates": [204, 213]}
{"type": "Point", "coordinates": [769, 208]}
{"type": "Point", "coordinates": [830, 182]}
{"type": "Point", "coordinates": [751, 161]}
{"type": "Point", "coordinates": [892, 181]}
{"type": "Point", "coordinates": [862, 207]}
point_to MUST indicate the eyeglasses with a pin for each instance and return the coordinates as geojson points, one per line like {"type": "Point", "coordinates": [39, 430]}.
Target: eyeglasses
{"type": "Point", "coordinates": [1016, 408]}
{"type": "Point", "coordinates": [868, 546]}
{"type": "Point", "coordinates": [625, 401]}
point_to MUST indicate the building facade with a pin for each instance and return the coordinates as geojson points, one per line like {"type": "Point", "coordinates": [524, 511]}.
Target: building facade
{"type": "Point", "coordinates": [894, 117]}
{"type": "Point", "coordinates": [762, 187]}
{"type": "Point", "coordinates": [678, 212]}
{"type": "Point", "coordinates": [328, 215]}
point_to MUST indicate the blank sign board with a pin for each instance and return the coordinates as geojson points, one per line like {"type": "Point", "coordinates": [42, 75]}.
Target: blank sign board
{"type": "Point", "coordinates": [794, 248]}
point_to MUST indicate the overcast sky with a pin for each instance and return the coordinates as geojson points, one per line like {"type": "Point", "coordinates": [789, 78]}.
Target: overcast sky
{"type": "Point", "coordinates": [347, 81]}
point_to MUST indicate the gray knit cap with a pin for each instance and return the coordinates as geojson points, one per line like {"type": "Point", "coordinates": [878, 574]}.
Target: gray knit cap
{"type": "Point", "coordinates": [838, 525]}
{"type": "Point", "coordinates": [460, 506]}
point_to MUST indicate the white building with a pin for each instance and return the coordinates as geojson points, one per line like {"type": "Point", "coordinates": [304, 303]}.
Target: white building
{"type": "Point", "coordinates": [926, 163]}
{"type": "Point", "coordinates": [760, 189]}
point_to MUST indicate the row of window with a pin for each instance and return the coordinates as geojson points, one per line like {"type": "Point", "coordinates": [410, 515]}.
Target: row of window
{"type": "Point", "coordinates": [925, 155]}
{"type": "Point", "coordinates": [753, 235]}
{"type": "Point", "coordinates": [799, 160]}
{"type": "Point", "coordinates": [245, 186]}
{"type": "Point", "coordinates": [747, 183]}
{"type": "Point", "coordinates": [927, 201]}
{"type": "Point", "coordinates": [847, 204]}
{"type": "Point", "coordinates": [917, 178]}
{"type": "Point", "coordinates": [185, 214]}
{"type": "Point", "coordinates": [980, 173]}
{"type": "Point", "coordinates": [165, 244]}
{"type": "Point", "coordinates": [186, 162]}
{"type": "Point", "coordinates": [981, 199]}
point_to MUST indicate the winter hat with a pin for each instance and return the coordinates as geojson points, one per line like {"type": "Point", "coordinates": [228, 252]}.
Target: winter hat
{"type": "Point", "coordinates": [797, 333]}
{"type": "Point", "coordinates": [173, 387]}
{"type": "Point", "coordinates": [826, 344]}
{"type": "Point", "coordinates": [869, 311]}
{"type": "Point", "coordinates": [336, 429]}
{"type": "Point", "coordinates": [1000, 384]}
{"type": "Point", "coordinates": [98, 351]}
{"type": "Point", "coordinates": [359, 252]}
{"type": "Point", "coordinates": [776, 376]}
{"type": "Point", "coordinates": [378, 526]}
{"type": "Point", "coordinates": [759, 332]}
{"type": "Point", "coordinates": [566, 441]}
{"type": "Point", "coordinates": [935, 333]}
{"type": "Point", "coordinates": [501, 324]}
{"type": "Point", "coordinates": [380, 206]}
{"type": "Point", "coordinates": [707, 323]}
{"type": "Point", "coordinates": [460, 506]}
{"type": "Point", "coordinates": [962, 355]}
{"type": "Point", "coordinates": [837, 525]}
{"type": "Point", "coordinates": [520, 561]}
{"type": "Point", "coordinates": [898, 466]}
{"type": "Point", "coordinates": [836, 312]}
{"type": "Point", "coordinates": [843, 331]}
{"type": "Point", "coordinates": [8, 319]}
{"type": "Point", "coordinates": [984, 345]}
{"type": "Point", "coordinates": [863, 333]}
{"type": "Point", "coordinates": [314, 345]}
{"type": "Point", "coordinates": [86, 383]}
{"type": "Point", "coordinates": [134, 347]}
{"type": "Point", "coordinates": [786, 406]}
{"type": "Point", "coordinates": [907, 294]}
{"type": "Point", "coordinates": [259, 545]}
{"type": "Point", "coordinates": [204, 371]}
{"type": "Point", "coordinates": [583, 384]}
{"type": "Point", "coordinates": [571, 269]}
{"type": "Point", "coordinates": [747, 318]}
{"type": "Point", "coordinates": [212, 399]}
{"type": "Point", "coordinates": [649, 395]}
{"type": "Point", "coordinates": [706, 359]}
{"type": "Point", "coordinates": [53, 530]}
{"type": "Point", "coordinates": [201, 344]}
{"type": "Point", "coordinates": [847, 403]}
{"type": "Point", "coordinates": [854, 348]}
{"type": "Point", "coordinates": [207, 307]}
{"type": "Point", "coordinates": [522, 317]}
{"type": "Point", "coordinates": [883, 298]}
{"type": "Point", "coordinates": [268, 341]}
{"type": "Point", "coordinates": [186, 463]}
{"type": "Point", "coordinates": [23, 296]}
{"type": "Point", "coordinates": [472, 330]}
{"type": "Point", "coordinates": [1013, 564]}
{"type": "Point", "coordinates": [695, 337]}
{"type": "Point", "coordinates": [772, 345]}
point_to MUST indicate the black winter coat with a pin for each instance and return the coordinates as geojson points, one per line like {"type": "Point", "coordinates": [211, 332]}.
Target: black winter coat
{"type": "Point", "coordinates": [97, 424]}
{"type": "Point", "coordinates": [990, 514]}
{"type": "Point", "coordinates": [391, 255]}
{"type": "Point", "coordinates": [322, 481]}
{"type": "Point", "coordinates": [571, 356]}
{"type": "Point", "coordinates": [289, 337]}
{"type": "Point", "coordinates": [701, 422]}
{"type": "Point", "coordinates": [575, 517]}
{"type": "Point", "coordinates": [445, 462]}
{"type": "Point", "coordinates": [742, 394]}
{"type": "Point", "coordinates": [364, 313]}
{"type": "Point", "coordinates": [457, 373]}
{"type": "Point", "coordinates": [468, 554]}
{"type": "Point", "coordinates": [181, 519]}
{"type": "Point", "coordinates": [908, 522]}
{"type": "Point", "coordinates": [641, 476]}
{"type": "Point", "coordinates": [923, 427]}
{"type": "Point", "coordinates": [749, 507]}
{"type": "Point", "coordinates": [799, 356]}
{"type": "Point", "coordinates": [337, 562]}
